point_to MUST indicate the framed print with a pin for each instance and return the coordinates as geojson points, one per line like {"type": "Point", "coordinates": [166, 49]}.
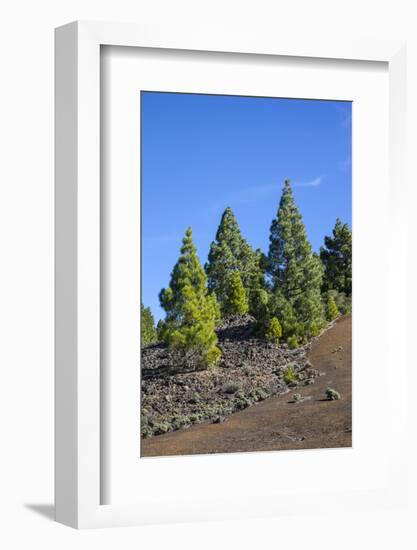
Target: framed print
{"type": "Point", "coordinates": [215, 272]}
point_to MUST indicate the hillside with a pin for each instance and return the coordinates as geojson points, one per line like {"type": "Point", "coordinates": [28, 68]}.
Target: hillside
{"type": "Point", "coordinates": [251, 371]}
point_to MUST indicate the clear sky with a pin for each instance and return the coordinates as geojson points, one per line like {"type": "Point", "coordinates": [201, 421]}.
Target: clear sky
{"type": "Point", "coordinates": [202, 153]}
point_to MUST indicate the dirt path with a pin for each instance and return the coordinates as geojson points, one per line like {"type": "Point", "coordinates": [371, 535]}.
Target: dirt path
{"type": "Point", "coordinates": [278, 423]}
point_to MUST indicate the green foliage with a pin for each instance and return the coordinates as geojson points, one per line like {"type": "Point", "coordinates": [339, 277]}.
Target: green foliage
{"type": "Point", "coordinates": [274, 332]}
{"type": "Point", "coordinates": [260, 310]}
{"type": "Point", "coordinates": [336, 256]}
{"type": "Point", "coordinates": [258, 394]}
{"type": "Point", "coordinates": [331, 309]}
{"type": "Point", "coordinates": [190, 310]}
{"type": "Point", "coordinates": [292, 341]}
{"type": "Point", "coordinates": [230, 252]}
{"type": "Point", "coordinates": [332, 394]}
{"type": "Point", "coordinates": [236, 301]}
{"type": "Point", "coordinates": [161, 428]}
{"type": "Point", "coordinates": [314, 330]}
{"type": "Point", "coordinates": [283, 310]}
{"type": "Point", "coordinates": [290, 306]}
{"type": "Point", "coordinates": [295, 272]}
{"type": "Point", "coordinates": [160, 329]}
{"type": "Point", "coordinates": [148, 332]}
{"type": "Point", "coordinates": [290, 376]}
{"type": "Point", "coordinates": [343, 302]}
{"type": "Point", "coordinates": [296, 397]}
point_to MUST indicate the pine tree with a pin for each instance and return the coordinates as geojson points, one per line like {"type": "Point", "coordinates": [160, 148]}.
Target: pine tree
{"type": "Point", "coordinates": [331, 309]}
{"type": "Point", "coordinates": [160, 327]}
{"type": "Point", "coordinates": [295, 271]}
{"type": "Point", "coordinates": [190, 309]}
{"type": "Point", "coordinates": [231, 252]}
{"type": "Point", "coordinates": [260, 310]}
{"type": "Point", "coordinates": [282, 308]}
{"type": "Point", "coordinates": [236, 300]}
{"type": "Point", "coordinates": [336, 256]}
{"type": "Point", "coordinates": [274, 332]}
{"type": "Point", "coordinates": [147, 327]}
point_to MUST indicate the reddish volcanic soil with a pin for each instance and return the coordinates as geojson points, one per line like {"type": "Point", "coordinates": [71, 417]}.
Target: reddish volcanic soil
{"type": "Point", "coordinates": [278, 422]}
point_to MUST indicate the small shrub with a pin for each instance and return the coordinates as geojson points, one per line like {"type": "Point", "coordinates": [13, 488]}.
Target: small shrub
{"type": "Point", "coordinates": [258, 394]}
{"type": "Point", "coordinates": [242, 403]}
{"type": "Point", "coordinates": [290, 376]}
{"type": "Point", "coordinates": [231, 387]}
{"type": "Point", "coordinates": [292, 342]}
{"type": "Point", "coordinates": [274, 331]}
{"type": "Point", "coordinates": [296, 397]}
{"type": "Point", "coordinates": [332, 394]}
{"type": "Point", "coordinates": [181, 422]}
{"type": "Point", "coordinates": [144, 420]}
{"type": "Point", "coordinates": [254, 396]}
{"type": "Point", "coordinates": [146, 431]}
{"type": "Point", "coordinates": [161, 428]}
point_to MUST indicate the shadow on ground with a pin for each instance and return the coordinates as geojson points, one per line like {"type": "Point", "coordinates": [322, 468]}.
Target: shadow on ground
{"type": "Point", "coordinates": [45, 510]}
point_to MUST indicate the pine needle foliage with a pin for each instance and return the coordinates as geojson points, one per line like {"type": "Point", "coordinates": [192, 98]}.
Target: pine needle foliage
{"type": "Point", "coordinates": [191, 310]}
{"type": "Point", "coordinates": [295, 272]}
{"type": "Point", "coordinates": [274, 332]}
{"type": "Point", "coordinates": [147, 327]}
{"type": "Point", "coordinates": [230, 253]}
{"type": "Point", "coordinates": [336, 255]}
{"type": "Point", "coordinates": [292, 342]}
{"type": "Point", "coordinates": [331, 309]}
{"type": "Point", "coordinates": [236, 299]}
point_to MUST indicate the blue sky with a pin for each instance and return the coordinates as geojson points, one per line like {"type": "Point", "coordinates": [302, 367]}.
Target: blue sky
{"type": "Point", "coordinates": [202, 153]}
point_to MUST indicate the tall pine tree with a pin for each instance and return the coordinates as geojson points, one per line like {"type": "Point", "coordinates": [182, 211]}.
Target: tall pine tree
{"type": "Point", "coordinates": [336, 256]}
{"type": "Point", "coordinates": [230, 252]}
{"type": "Point", "coordinates": [295, 271]}
{"type": "Point", "coordinates": [191, 310]}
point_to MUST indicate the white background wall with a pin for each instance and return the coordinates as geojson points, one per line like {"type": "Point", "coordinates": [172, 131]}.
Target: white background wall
{"type": "Point", "coordinates": [26, 270]}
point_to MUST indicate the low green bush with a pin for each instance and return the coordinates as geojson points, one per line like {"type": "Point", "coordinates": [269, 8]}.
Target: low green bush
{"type": "Point", "coordinates": [146, 431]}
{"type": "Point", "coordinates": [161, 428]}
{"type": "Point", "coordinates": [290, 376]}
{"type": "Point", "coordinates": [332, 394]}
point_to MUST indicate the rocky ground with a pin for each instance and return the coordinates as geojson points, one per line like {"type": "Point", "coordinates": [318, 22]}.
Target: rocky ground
{"type": "Point", "coordinates": [250, 371]}
{"type": "Point", "coordinates": [282, 422]}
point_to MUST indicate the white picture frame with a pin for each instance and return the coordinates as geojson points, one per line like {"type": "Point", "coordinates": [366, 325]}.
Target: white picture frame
{"type": "Point", "coordinates": [78, 411]}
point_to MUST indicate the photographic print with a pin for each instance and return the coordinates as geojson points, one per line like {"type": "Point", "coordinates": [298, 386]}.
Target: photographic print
{"type": "Point", "coordinates": [246, 274]}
